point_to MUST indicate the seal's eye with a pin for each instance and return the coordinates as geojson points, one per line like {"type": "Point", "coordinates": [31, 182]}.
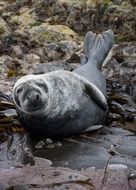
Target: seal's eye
{"type": "Point", "coordinates": [19, 90]}
{"type": "Point", "coordinates": [42, 86]}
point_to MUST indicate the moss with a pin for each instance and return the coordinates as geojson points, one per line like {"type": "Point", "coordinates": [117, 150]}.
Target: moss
{"type": "Point", "coordinates": [11, 73]}
{"type": "Point", "coordinates": [106, 3]}
{"type": "Point", "coordinates": [36, 23]}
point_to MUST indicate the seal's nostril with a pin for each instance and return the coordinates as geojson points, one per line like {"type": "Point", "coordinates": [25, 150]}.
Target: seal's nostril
{"type": "Point", "coordinates": [33, 98]}
{"type": "Point", "coordinates": [37, 97]}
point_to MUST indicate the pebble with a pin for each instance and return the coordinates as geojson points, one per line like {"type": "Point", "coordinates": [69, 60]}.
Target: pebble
{"type": "Point", "coordinates": [48, 141]}
{"type": "Point", "coordinates": [58, 144]}
{"type": "Point", "coordinates": [32, 58]}
{"type": "Point", "coordinates": [40, 144]}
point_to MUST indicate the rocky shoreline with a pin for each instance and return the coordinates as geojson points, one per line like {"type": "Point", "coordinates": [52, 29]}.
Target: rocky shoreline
{"type": "Point", "coordinates": [41, 36]}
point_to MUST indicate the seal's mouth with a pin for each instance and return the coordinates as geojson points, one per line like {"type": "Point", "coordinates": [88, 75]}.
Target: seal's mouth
{"type": "Point", "coordinates": [32, 109]}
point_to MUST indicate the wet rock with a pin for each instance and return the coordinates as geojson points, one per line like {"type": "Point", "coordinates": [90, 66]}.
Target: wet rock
{"type": "Point", "coordinates": [69, 154]}
{"type": "Point", "coordinates": [119, 131]}
{"type": "Point", "coordinates": [127, 147]}
{"type": "Point", "coordinates": [119, 173]}
{"type": "Point", "coordinates": [121, 159]}
{"type": "Point", "coordinates": [88, 150]}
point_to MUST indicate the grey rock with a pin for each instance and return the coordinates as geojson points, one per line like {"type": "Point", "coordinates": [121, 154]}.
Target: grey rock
{"type": "Point", "coordinates": [42, 68]}
{"type": "Point", "coordinates": [17, 51]}
{"type": "Point", "coordinates": [32, 58]}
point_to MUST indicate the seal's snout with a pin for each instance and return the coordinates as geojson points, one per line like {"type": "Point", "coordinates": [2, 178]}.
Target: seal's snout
{"type": "Point", "coordinates": [34, 99]}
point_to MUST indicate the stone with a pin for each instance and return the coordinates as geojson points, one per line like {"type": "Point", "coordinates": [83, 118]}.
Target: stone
{"type": "Point", "coordinates": [116, 177]}
{"type": "Point", "coordinates": [48, 33]}
{"type": "Point", "coordinates": [4, 61]}
{"type": "Point", "coordinates": [32, 58]}
{"type": "Point", "coordinates": [134, 94]}
{"type": "Point", "coordinates": [62, 50]}
{"type": "Point", "coordinates": [3, 5]}
{"type": "Point", "coordinates": [4, 28]}
{"type": "Point", "coordinates": [42, 68]}
{"type": "Point", "coordinates": [24, 20]}
{"type": "Point", "coordinates": [17, 51]}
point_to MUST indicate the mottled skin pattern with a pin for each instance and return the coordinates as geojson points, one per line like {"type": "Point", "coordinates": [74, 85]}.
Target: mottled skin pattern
{"type": "Point", "coordinates": [63, 103]}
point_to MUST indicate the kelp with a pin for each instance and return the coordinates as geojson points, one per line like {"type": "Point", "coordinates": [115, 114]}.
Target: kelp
{"type": "Point", "coordinates": [8, 117]}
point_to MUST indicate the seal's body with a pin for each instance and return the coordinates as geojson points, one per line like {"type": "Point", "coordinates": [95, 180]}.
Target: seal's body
{"type": "Point", "coordinates": [63, 103]}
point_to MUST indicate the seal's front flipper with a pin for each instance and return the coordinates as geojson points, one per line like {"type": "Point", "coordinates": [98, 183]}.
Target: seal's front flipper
{"type": "Point", "coordinates": [96, 95]}
{"type": "Point", "coordinates": [97, 47]}
{"type": "Point", "coordinates": [92, 128]}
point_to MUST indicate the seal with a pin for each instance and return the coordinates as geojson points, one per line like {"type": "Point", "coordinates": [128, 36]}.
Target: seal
{"type": "Point", "coordinates": [63, 103]}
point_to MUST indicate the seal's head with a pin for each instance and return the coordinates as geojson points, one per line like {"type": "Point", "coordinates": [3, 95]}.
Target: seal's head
{"type": "Point", "coordinates": [30, 95]}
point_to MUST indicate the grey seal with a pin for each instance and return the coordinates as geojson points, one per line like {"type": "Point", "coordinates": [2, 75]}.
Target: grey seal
{"type": "Point", "coordinates": [63, 103]}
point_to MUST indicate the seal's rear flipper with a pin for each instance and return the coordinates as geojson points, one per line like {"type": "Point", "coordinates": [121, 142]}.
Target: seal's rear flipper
{"type": "Point", "coordinates": [83, 59]}
{"type": "Point", "coordinates": [97, 47]}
